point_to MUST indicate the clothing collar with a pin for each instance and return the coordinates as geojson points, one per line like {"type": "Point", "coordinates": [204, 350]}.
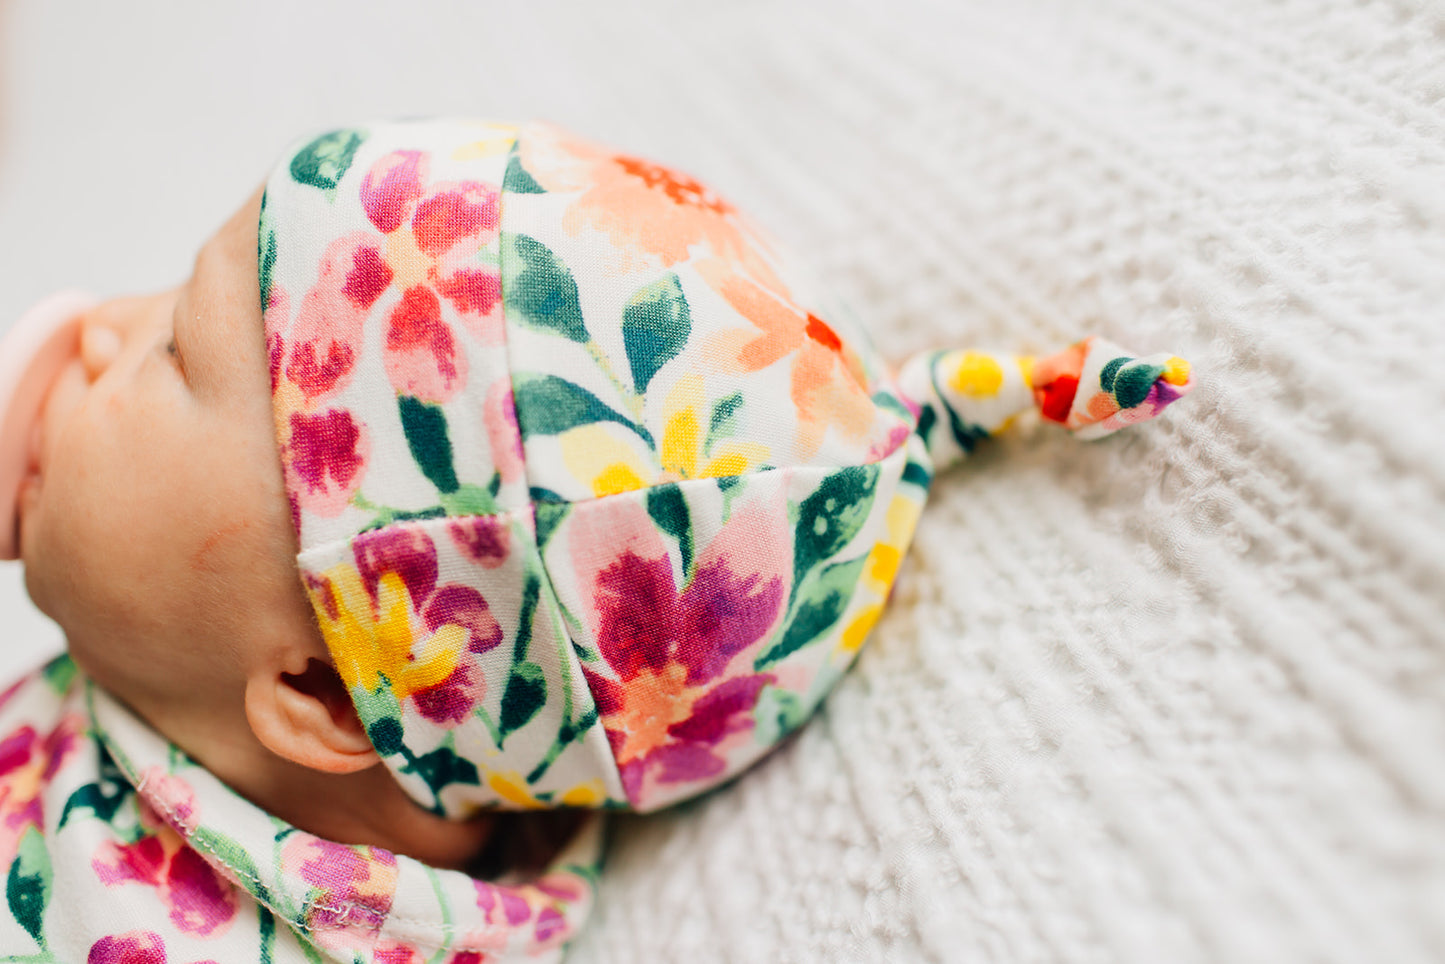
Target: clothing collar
{"type": "Point", "coordinates": [348, 899]}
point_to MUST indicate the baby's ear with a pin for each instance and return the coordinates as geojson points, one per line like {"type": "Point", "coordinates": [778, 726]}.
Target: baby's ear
{"type": "Point", "coordinates": [303, 713]}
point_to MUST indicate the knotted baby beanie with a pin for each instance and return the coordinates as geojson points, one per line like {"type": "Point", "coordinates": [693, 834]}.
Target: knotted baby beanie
{"type": "Point", "coordinates": [596, 496]}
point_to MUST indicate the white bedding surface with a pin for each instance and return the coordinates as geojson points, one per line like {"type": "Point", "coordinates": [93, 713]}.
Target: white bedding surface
{"type": "Point", "coordinates": [1179, 695]}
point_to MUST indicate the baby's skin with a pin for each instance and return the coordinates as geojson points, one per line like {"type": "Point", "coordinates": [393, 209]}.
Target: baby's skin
{"type": "Point", "coordinates": [155, 530]}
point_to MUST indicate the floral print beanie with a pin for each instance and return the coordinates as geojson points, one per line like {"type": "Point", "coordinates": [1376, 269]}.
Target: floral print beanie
{"type": "Point", "coordinates": [596, 497]}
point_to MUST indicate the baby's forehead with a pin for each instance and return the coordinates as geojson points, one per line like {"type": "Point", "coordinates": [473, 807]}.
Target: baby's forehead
{"type": "Point", "coordinates": [235, 241]}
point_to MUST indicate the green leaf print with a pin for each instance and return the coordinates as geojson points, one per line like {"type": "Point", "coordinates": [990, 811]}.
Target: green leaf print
{"type": "Point", "coordinates": [101, 798]}
{"type": "Point", "coordinates": [27, 890]}
{"type": "Point", "coordinates": [266, 258]}
{"type": "Point", "coordinates": [723, 423]}
{"type": "Point", "coordinates": [832, 516]}
{"type": "Point", "coordinates": [426, 435]}
{"type": "Point", "coordinates": [1129, 382]}
{"type": "Point", "coordinates": [517, 180]}
{"type": "Point", "coordinates": [655, 326]}
{"type": "Point", "coordinates": [548, 405]}
{"type": "Point", "coordinates": [526, 693]}
{"type": "Point", "coordinates": [820, 603]}
{"type": "Point", "coordinates": [232, 854]}
{"type": "Point", "coordinates": [470, 499]}
{"type": "Point", "coordinates": [549, 515]}
{"type": "Point", "coordinates": [59, 673]}
{"type": "Point", "coordinates": [668, 509]}
{"type": "Point", "coordinates": [441, 768]}
{"type": "Point", "coordinates": [325, 161]}
{"type": "Point", "coordinates": [777, 713]}
{"type": "Point", "coordinates": [539, 290]}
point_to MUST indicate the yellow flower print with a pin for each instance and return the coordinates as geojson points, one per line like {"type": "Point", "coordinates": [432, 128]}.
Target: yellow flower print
{"type": "Point", "coordinates": [371, 643]}
{"type": "Point", "coordinates": [512, 787]}
{"type": "Point", "coordinates": [595, 453]}
{"type": "Point", "coordinates": [683, 442]}
{"type": "Point", "coordinates": [492, 139]}
{"type": "Point", "coordinates": [881, 569]}
{"type": "Point", "coordinates": [977, 375]}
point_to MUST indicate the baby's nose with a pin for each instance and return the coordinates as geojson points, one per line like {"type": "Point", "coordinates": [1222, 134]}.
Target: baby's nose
{"type": "Point", "coordinates": [100, 346]}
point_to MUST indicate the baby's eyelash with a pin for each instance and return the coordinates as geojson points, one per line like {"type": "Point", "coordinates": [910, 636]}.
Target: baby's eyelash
{"type": "Point", "coordinates": [173, 350]}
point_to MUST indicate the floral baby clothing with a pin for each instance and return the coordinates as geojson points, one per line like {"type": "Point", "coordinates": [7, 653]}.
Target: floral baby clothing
{"type": "Point", "coordinates": [121, 850]}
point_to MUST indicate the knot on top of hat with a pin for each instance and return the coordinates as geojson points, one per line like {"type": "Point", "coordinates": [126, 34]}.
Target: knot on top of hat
{"type": "Point", "coordinates": [1093, 388]}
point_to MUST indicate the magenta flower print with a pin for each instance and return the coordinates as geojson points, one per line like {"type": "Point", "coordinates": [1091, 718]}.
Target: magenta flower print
{"type": "Point", "coordinates": [395, 953]}
{"type": "Point", "coordinates": [485, 539]}
{"type": "Point", "coordinates": [680, 690]}
{"type": "Point", "coordinates": [324, 456]}
{"type": "Point", "coordinates": [351, 886]}
{"type": "Point", "coordinates": [132, 947]}
{"type": "Point", "coordinates": [405, 552]}
{"type": "Point", "coordinates": [28, 761]}
{"type": "Point", "coordinates": [199, 901]}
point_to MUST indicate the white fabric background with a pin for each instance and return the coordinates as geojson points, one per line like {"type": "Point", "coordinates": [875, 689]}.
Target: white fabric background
{"type": "Point", "coordinates": [1179, 695]}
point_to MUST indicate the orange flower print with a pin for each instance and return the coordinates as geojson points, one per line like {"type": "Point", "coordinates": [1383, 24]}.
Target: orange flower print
{"type": "Point", "coordinates": [643, 207]}
{"type": "Point", "coordinates": [827, 383]}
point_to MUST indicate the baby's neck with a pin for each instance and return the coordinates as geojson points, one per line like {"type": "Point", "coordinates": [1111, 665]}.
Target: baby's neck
{"type": "Point", "coordinates": [367, 807]}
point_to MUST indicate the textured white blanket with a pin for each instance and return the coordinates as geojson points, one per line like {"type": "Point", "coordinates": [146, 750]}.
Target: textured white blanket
{"type": "Point", "coordinates": [1174, 696]}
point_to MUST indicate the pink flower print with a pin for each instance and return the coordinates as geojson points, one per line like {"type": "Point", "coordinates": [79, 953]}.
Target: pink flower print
{"type": "Point", "coordinates": [680, 690]}
{"type": "Point", "coordinates": [325, 342]}
{"type": "Point", "coordinates": [502, 905]}
{"type": "Point", "coordinates": [198, 899]}
{"type": "Point", "coordinates": [550, 923]}
{"type": "Point", "coordinates": [394, 953]}
{"type": "Point", "coordinates": [391, 186]}
{"type": "Point", "coordinates": [132, 947]}
{"type": "Point", "coordinates": [351, 886]}
{"type": "Point", "coordinates": [28, 761]}
{"type": "Point", "coordinates": [421, 355]}
{"type": "Point", "coordinates": [324, 451]}
{"type": "Point", "coordinates": [433, 237]}
{"type": "Point", "coordinates": [499, 413]}
{"type": "Point", "coordinates": [171, 797]}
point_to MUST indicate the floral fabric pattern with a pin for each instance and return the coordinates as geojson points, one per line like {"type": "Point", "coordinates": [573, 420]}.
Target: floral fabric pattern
{"type": "Point", "coordinates": [595, 498]}
{"type": "Point", "coordinates": [130, 852]}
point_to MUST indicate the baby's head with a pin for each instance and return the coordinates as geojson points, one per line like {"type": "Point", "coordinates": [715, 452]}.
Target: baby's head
{"type": "Point", "coordinates": [591, 498]}
{"type": "Point", "coordinates": [154, 524]}
{"type": "Point", "coordinates": [590, 509]}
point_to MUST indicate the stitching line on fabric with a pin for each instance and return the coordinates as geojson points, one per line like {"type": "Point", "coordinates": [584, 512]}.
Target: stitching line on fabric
{"type": "Point", "coordinates": [177, 825]}
{"type": "Point", "coordinates": [607, 761]}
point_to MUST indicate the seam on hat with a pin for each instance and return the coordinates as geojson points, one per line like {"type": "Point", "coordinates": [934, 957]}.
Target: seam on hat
{"type": "Point", "coordinates": [609, 760]}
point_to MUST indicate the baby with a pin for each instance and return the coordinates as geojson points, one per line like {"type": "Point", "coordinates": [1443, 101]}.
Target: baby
{"type": "Point", "coordinates": [584, 501]}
